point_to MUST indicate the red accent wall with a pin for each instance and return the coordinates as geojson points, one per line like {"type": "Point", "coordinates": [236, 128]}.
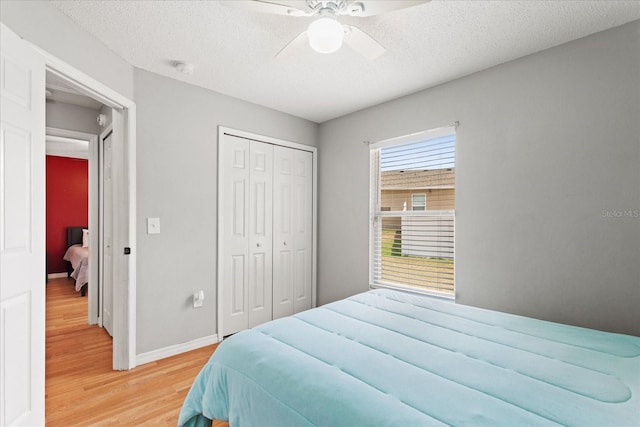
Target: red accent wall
{"type": "Point", "coordinates": [67, 205]}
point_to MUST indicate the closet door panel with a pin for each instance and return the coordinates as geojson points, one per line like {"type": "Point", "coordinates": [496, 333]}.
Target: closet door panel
{"type": "Point", "coordinates": [234, 185]}
{"type": "Point", "coordinates": [283, 244]}
{"type": "Point", "coordinates": [302, 229]}
{"type": "Point", "coordinates": [260, 236]}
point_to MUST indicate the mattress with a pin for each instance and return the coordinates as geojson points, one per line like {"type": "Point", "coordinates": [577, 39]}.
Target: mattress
{"type": "Point", "coordinates": [389, 358]}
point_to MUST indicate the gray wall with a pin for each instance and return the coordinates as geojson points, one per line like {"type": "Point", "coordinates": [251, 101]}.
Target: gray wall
{"type": "Point", "coordinates": [177, 181]}
{"type": "Point", "coordinates": [547, 145]}
{"type": "Point", "coordinates": [72, 117]}
{"type": "Point", "coordinates": [39, 22]}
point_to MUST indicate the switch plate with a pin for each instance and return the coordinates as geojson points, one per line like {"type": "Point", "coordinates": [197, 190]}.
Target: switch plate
{"type": "Point", "coordinates": [153, 225]}
{"type": "Point", "coordinates": [198, 299]}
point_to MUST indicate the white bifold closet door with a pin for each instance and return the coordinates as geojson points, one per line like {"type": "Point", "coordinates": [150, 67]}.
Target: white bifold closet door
{"type": "Point", "coordinates": [266, 232]}
{"type": "Point", "coordinates": [303, 230]}
{"type": "Point", "coordinates": [234, 186]}
{"type": "Point", "coordinates": [246, 175]}
{"type": "Point", "coordinates": [260, 242]}
{"type": "Point", "coordinates": [292, 238]}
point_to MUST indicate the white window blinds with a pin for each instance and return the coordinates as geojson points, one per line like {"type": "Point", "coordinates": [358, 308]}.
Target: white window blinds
{"type": "Point", "coordinates": [412, 213]}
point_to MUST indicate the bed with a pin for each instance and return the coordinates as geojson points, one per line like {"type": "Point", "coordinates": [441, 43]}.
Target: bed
{"type": "Point", "coordinates": [389, 358]}
{"type": "Point", "coordinates": [77, 255]}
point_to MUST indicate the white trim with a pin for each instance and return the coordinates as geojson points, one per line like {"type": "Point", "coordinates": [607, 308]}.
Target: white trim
{"type": "Point", "coordinates": [57, 276]}
{"type": "Point", "coordinates": [66, 147]}
{"type": "Point", "coordinates": [415, 137]}
{"type": "Point", "coordinates": [103, 212]}
{"type": "Point", "coordinates": [69, 134]}
{"type": "Point", "coordinates": [223, 130]}
{"type": "Point", "coordinates": [413, 205]}
{"type": "Point", "coordinates": [219, 230]}
{"type": "Point", "coordinates": [314, 231]}
{"type": "Point", "coordinates": [124, 342]}
{"type": "Point", "coordinates": [130, 296]}
{"type": "Point", "coordinates": [84, 83]}
{"type": "Point", "coordinates": [172, 350]}
{"type": "Point", "coordinates": [94, 237]}
{"type": "Point", "coordinates": [414, 290]}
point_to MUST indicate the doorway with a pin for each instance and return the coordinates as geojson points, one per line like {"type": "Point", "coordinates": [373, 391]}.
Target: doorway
{"type": "Point", "coordinates": [80, 195]}
{"type": "Point", "coordinates": [72, 201]}
{"type": "Point", "coordinates": [113, 281]}
{"type": "Point", "coordinates": [123, 122]}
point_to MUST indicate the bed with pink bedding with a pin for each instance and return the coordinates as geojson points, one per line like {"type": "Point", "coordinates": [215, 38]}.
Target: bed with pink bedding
{"type": "Point", "coordinates": [78, 256]}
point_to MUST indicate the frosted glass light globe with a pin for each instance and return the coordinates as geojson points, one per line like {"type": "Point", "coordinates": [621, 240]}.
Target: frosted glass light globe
{"type": "Point", "coordinates": [325, 35]}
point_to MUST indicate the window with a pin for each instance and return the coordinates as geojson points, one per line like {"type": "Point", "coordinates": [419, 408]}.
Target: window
{"type": "Point", "coordinates": [418, 202]}
{"type": "Point", "coordinates": [413, 246]}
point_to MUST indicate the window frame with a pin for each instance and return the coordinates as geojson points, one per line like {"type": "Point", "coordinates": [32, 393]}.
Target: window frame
{"type": "Point", "coordinates": [376, 214]}
{"type": "Point", "coordinates": [423, 206]}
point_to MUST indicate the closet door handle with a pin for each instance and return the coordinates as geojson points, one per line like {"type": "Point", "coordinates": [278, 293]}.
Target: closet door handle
{"type": "Point", "coordinates": [284, 243]}
{"type": "Point", "coordinates": [258, 245]}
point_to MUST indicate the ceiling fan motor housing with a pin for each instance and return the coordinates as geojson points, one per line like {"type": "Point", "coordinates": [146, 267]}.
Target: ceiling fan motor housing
{"type": "Point", "coordinates": [336, 7]}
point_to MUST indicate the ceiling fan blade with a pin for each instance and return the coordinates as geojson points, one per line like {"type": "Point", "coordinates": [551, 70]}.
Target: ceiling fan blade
{"type": "Point", "coordinates": [295, 45]}
{"type": "Point", "coordinates": [377, 7]}
{"type": "Point", "coordinates": [284, 7]}
{"type": "Point", "coordinates": [362, 42]}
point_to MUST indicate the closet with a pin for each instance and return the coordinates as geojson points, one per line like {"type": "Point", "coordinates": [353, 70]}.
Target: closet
{"type": "Point", "coordinates": [266, 231]}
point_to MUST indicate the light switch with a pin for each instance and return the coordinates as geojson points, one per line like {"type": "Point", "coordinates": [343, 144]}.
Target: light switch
{"type": "Point", "coordinates": [153, 225]}
{"type": "Point", "coordinates": [198, 299]}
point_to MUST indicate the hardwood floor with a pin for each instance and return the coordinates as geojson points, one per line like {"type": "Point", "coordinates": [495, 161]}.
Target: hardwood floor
{"type": "Point", "coordinates": [81, 389]}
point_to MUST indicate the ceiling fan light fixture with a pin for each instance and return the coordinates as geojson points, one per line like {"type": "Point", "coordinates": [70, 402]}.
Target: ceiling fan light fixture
{"type": "Point", "coordinates": [325, 35]}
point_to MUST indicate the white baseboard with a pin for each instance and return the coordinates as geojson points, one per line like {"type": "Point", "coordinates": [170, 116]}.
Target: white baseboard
{"type": "Point", "coordinates": [56, 275]}
{"type": "Point", "coordinates": [172, 350]}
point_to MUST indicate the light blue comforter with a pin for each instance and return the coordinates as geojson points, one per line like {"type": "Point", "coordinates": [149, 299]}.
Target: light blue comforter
{"type": "Point", "coordinates": [385, 358]}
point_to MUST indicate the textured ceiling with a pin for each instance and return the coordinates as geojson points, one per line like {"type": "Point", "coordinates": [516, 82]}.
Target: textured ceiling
{"type": "Point", "coordinates": [234, 50]}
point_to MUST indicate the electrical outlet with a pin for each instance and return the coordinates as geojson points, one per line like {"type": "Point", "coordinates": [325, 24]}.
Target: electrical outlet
{"type": "Point", "coordinates": [198, 299]}
{"type": "Point", "coordinates": [153, 225]}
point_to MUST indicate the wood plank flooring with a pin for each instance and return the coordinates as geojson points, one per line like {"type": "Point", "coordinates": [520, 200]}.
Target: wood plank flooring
{"type": "Point", "coordinates": [82, 389]}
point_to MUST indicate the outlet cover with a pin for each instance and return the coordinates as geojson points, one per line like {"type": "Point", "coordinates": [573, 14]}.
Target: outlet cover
{"type": "Point", "coordinates": [153, 225]}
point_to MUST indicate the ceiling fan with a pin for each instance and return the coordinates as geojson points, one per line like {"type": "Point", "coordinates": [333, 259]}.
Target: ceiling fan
{"type": "Point", "coordinates": [326, 34]}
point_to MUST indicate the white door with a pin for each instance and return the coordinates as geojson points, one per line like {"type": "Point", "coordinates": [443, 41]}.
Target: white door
{"type": "Point", "coordinates": [233, 229]}
{"type": "Point", "coordinates": [106, 232]}
{"type": "Point", "coordinates": [22, 241]}
{"type": "Point", "coordinates": [302, 230]}
{"type": "Point", "coordinates": [260, 241]}
{"type": "Point", "coordinates": [283, 160]}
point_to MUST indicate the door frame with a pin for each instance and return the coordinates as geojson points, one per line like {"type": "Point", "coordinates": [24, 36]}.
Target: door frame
{"type": "Point", "coordinates": [124, 290]}
{"type": "Point", "coordinates": [103, 213]}
{"type": "Point", "coordinates": [223, 130]}
{"type": "Point", "coordinates": [65, 135]}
